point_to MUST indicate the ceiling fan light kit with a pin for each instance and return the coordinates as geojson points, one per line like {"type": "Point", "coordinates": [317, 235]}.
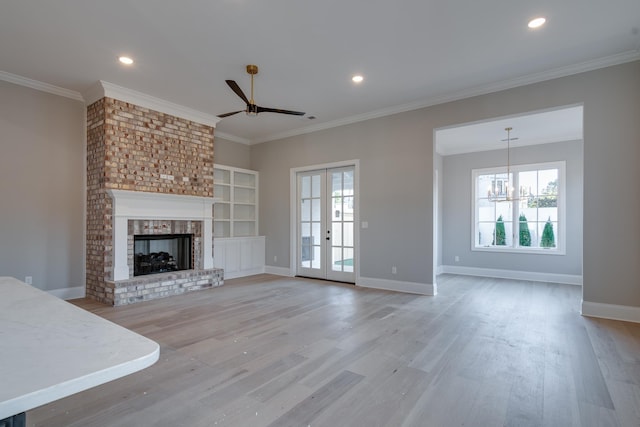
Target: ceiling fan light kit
{"type": "Point", "coordinates": [252, 109]}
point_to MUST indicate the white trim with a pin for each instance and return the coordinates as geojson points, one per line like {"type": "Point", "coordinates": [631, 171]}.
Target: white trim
{"type": "Point", "coordinates": [106, 89]}
{"type": "Point", "coordinates": [439, 270]}
{"type": "Point", "coordinates": [41, 86]}
{"type": "Point", "coordinates": [621, 58]}
{"type": "Point", "coordinates": [430, 289]}
{"type": "Point", "coordinates": [244, 273]}
{"type": "Point", "coordinates": [625, 313]}
{"type": "Point", "coordinates": [278, 271]}
{"type": "Point", "coordinates": [560, 249]}
{"type": "Point", "coordinates": [142, 205]}
{"type": "Point", "coordinates": [293, 216]}
{"type": "Point", "coordinates": [231, 138]}
{"type": "Point", "coordinates": [68, 293]}
{"type": "Point", "coordinates": [533, 276]}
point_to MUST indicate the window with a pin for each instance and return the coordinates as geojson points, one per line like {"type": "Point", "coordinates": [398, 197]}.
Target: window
{"type": "Point", "coordinates": [522, 211]}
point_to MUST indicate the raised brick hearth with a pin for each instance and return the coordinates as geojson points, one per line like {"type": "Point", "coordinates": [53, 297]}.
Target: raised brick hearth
{"type": "Point", "coordinates": [147, 172]}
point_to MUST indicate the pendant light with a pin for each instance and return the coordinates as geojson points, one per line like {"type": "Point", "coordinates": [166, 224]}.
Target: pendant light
{"type": "Point", "coordinates": [507, 196]}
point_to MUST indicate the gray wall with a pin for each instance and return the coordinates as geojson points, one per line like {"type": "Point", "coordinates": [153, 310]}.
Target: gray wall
{"type": "Point", "coordinates": [397, 166]}
{"type": "Point", "coordinates": [395, 189]}
{"type": "Point", "coordinates": [229, 153]}
{"type": "Point", "coordinates": [41, 187]}
{"type": "Point", "coordinates": [458, 209]}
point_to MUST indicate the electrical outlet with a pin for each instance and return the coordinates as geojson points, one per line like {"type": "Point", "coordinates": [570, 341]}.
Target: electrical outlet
{"type": "Point", "coordinates": [28, 280]}
{"type": "Point", "coordinates": [275, 258]}
{"type": "Point", "coordinates": [394, 270]}
{"type": "Point", "coordinates": [457, 258]}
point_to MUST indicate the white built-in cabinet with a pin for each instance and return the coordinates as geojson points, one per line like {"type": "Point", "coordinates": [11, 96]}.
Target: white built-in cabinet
{"type": "Point", "coordinates": [239, 256]}
{"type": "Point", "coordinates": [237, 247]}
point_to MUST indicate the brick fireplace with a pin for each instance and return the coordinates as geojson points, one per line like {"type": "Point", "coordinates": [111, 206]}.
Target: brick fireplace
{"type": "Point", "coordinates": [148, 172]}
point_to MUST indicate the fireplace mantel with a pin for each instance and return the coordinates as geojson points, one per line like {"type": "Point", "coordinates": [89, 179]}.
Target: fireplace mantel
{"type": "Point", "coordinates": [129, 205]}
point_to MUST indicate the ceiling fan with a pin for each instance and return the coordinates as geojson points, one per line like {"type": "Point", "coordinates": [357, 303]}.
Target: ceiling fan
{"type": "Point", "coordinates": [253, 109]}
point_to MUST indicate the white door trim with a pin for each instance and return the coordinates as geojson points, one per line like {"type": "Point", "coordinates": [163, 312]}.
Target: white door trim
{"type": "Point", "coordinates": [293, 220]}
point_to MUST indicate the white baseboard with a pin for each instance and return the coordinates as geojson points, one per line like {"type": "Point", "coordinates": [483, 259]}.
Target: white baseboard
{"type": "Point", "coordinates": [396, 285]}
{"type": "Point", "coordinates": [68, 293]}
{"type": "Point", "coordinates": [278, 271]}
{"type": "Point", "coordinates": [439, 270]}
{"type": "Point", "coordinates": [244, 273]}
{"type": "Point", "coordinates": [568, 279]}
{"type": "Point", "coordinates": [626, 313]}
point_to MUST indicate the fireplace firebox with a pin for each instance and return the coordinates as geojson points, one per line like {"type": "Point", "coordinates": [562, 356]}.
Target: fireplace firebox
{"type": "Point", "coordinates": [162, 253]}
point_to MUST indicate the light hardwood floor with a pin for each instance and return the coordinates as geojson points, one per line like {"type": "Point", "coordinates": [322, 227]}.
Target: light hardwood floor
{"type": "Point", "coordinates": [277, 352]}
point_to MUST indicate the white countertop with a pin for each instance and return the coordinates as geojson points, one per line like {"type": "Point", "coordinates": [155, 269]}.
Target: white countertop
{"type": "Point", "coordinates": [51, 349]}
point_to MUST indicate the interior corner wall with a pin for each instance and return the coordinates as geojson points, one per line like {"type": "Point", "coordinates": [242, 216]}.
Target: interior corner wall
{"type": "Point", "coordinates": [41, 187]}
{"type": "Point", "coordinates": [396, 175]}
{"type": "Point", "coordinates": [396, 155]}
{"type": "Point", "coordinates": [458, 210]}
{"type": "Point", "coordinates": [235, 154]}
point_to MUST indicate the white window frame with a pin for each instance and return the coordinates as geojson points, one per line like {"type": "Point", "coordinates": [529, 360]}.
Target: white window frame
{"type": "Point", "coordinates": [560, 248]}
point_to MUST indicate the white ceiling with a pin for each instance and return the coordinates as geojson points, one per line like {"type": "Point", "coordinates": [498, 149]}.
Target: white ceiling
{"type": "Point", "coordinates": [541, 127]}
{"type": "Point", "coordinates": [412, 53]}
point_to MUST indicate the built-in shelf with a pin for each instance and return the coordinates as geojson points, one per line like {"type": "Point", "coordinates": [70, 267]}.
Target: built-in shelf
{"type": "Point", "coordinates": [235, 213]}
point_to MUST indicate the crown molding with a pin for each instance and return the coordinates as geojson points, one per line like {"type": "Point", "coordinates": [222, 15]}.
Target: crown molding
{"type": "Point", "coordinates": [555, 73]}
{"type": "Point", "coordinates": [232, 138]}
{"type": "Point", "coordinates": [105, 89]}
{"type": "Point", "coordinates": [41, 86]}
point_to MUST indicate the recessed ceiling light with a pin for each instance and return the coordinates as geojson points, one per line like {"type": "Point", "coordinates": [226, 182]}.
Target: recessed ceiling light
{"type": "Point", "coordinates": [537, 22]}
{"type": "Point", "coordinates": [357, 78]}
{"type": "Point", "coordinates": [125, 60]}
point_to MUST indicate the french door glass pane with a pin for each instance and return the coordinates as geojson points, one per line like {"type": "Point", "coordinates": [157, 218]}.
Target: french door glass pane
{"type": "Point", "coordinates": [336, 259]}
{"type": "Point", "coordinates": [315, 210]}
{"type": "Point", "coordinates": [315, 262]}
{"type": "Point", "coordinates": [336, 187]}
{"type": "Point", "coordinates": [305, 210]}
{"type": "Point", "coordinates": [317, 233]}
{"type": "Point", "coordinates": [347, 263]}
{"type": "Point", "coordinates": [348, 233]}
{"type": "Point", "coordinates": [336, 233]}
{"type": "Point", "coordinates": [305, 184]}
{"type": "Point", "coordinates": [305, 229]}
{"type": "Point", "coordinates": [315, 186]}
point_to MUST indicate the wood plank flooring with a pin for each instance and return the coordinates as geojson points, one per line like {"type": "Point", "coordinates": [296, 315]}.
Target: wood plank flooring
{"type": "Point", "coordinates": [277, 352]}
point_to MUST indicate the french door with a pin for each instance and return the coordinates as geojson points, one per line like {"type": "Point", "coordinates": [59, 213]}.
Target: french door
{"type": "Point", "coordinates": [326, 224]}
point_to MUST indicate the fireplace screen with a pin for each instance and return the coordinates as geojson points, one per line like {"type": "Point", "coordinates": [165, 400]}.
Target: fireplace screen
{"type": "Point", "coordinates": [161, 253]}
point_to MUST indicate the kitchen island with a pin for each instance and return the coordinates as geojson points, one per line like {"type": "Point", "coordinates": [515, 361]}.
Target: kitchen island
{"type": "Point", "coordinates": [52, 349]}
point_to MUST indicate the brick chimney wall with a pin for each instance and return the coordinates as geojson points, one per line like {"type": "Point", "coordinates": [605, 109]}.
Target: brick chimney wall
{"type": "Point", "coordinates": [137, 149]}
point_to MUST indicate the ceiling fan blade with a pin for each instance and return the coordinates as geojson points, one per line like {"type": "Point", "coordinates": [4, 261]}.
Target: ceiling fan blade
{"type": "Point", "coordinates": [234, 87]}
{"type": "Point", "coordinates": [278, 110]}
{"type": "Point", "coordinates": [222, 116]}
